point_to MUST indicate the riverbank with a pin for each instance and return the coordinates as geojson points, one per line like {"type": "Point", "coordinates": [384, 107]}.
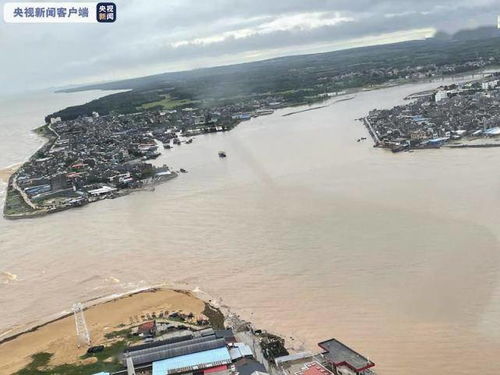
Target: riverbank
{"type": "Point", "coordinates": [58, 336]}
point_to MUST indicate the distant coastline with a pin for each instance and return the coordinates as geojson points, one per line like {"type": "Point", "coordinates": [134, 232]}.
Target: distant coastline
{"type": "Point", "coordinates": [23, 208]}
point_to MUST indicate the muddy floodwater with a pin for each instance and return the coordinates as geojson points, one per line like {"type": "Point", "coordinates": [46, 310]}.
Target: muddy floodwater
{"type": "Point", "coordinates": [301, 229]}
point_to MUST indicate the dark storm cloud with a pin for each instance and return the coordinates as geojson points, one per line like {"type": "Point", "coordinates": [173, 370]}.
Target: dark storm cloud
{"type": "Point", "coordinates": [156, 36]}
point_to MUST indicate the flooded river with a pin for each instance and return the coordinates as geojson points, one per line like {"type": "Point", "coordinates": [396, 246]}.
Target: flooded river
{"type": "Point", "coordinates": [301, 229]}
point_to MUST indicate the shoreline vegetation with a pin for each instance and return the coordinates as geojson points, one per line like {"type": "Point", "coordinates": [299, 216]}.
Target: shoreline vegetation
{"type": "Point", "coordinates": [51, 347]}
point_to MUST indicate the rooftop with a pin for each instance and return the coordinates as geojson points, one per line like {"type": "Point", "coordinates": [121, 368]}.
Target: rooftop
{"type": "Point", "coordinates": [292, 357]}
{"type": "Point", "coordinates": [175, 350]}
{"type": "Point", "coordinates": [206, 359]}
{"type": "Point", "coordinates": [240, 351]}
{"type": "Point", "coordinates": [248, 366]}
{"type": "Point", "coordinates": [340, 354]}
{"type": "Point", "coordinates": [314, 368]}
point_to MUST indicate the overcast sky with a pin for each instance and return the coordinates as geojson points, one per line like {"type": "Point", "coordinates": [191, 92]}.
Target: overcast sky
{"type": "Point", "coordinates": [155, 36]}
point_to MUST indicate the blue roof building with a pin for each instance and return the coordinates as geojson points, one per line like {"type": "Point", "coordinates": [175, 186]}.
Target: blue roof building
{"type": "Point", "coordinates": [194, 361]}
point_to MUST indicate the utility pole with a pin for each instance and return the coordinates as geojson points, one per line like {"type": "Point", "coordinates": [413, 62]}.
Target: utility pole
{"type": "Point", "coordinates": [82, 333]}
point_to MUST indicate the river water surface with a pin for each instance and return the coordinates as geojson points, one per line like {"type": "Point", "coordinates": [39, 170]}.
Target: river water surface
{"type": "Point", "coordinates": [301, 229]}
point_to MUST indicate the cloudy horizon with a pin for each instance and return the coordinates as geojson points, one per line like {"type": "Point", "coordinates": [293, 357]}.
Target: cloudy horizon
{"type": "Point", "coordinates": [162, 36]}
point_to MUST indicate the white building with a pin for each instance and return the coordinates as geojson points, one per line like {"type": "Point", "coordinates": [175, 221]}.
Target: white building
{"type": "Point", "coordinates": [440, 95]}
{"type": "Point", "coordinates": [489, 85]}
{"type": "Point", "coordinates": [101, 191]}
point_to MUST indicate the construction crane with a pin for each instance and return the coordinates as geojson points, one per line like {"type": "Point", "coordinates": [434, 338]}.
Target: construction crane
{"type": "Point", "coordinates": [82, 333]}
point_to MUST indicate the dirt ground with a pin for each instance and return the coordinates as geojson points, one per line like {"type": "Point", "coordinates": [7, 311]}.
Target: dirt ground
{"type": "Point", "coordinates": [7, 172]}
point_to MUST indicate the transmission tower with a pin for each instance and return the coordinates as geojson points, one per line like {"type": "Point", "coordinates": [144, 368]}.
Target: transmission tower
{"type": "Point", "coordinates": [82, 333]}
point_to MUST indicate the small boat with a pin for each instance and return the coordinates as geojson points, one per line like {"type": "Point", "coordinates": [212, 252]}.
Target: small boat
{"type": "Point", "coordinates": [190, 140]}
{"type": "Point", "coordinates": [222, 154]}
{"type": "Point", "coordinates": [183, 170]}
{"type": "Point", "coordinates": [167, 146]}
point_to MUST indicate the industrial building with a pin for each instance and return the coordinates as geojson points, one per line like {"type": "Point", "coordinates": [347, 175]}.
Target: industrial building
{"type": "Point", "coordinates": [207, 352]}
{"type": "Point", "coordinates": [344, 360]}
{"type": "Point", "coordinates": [335, 359]}
{"type": "Point", "coordinates": [217, 352]}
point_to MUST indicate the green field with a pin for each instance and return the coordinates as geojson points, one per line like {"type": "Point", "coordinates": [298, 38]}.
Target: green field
{"type": "Point", "coordinates": [107, 360]}
{"type": "Point", "coordinates": [15, 204]}
{"type": "Point", "coordinates": [168, 103]}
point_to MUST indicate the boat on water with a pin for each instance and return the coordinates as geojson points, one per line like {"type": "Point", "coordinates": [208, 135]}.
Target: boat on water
{"type": "Point", "coordinates": [167, 147]}
{"type": "Point", "coordinates": [190, 140]}
{"type": "Point", "coordinates": [222, 154]}
{"type": "Point", "coordinates": [182, 170]}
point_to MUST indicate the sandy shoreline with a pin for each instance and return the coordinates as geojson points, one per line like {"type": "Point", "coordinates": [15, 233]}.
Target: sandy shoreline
{"type": "Point", "coordinates": [59, 335]}
{"type": "Point", "coordinates": [5, 173]}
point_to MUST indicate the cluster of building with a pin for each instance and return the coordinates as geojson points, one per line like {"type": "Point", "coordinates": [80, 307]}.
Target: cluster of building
{"type": "Point", "coordinates": [96, 157]}
{"type": "Point", "coordinates": [224, 352]}
{"type": "Point", "coordinates": [335, 358]}
{"type": "Point", "coordinates": [451, 115]}
{"type": "Point", "coordinates": [410, 72]}
{"type": "Point", "coordinates": [177, 343]}
{"type": "Point", "coordinates": [202, 352]}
